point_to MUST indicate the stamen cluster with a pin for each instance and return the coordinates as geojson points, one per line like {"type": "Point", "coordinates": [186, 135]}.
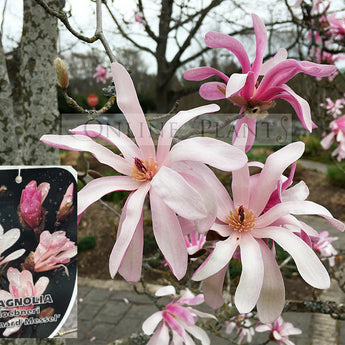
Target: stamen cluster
{"type": "Point", "coordinates": [242, 219]}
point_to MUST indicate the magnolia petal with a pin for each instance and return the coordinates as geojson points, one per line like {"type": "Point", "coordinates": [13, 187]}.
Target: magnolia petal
{"type": "Point", "coordinates": [235, 83]}
{"type": "Point", "coordinates": [97, 188]}
{"type": "Point", "coordinates": [174, 124]}
{"type": "Point", "coordinates": [126, 145]}
{"type": "Point", "coordinates": [222, 229]}
{"type": "Point", "coordinates": [219, 40]}
{"type": "Point", "coordinates": [165, 291]}
{"type": "Point", "coordinates": [272, 295]}
{"type": "Point", "coordinates": [212, 288]}
{"type": "Point", "coordinates": [249, 136]}
{"type": "Point", "coordinates": [152, 322]}
{"type": "Point", "coordinates": [161, 337]}
{"type": "Point", "coordinates": [13, 256]}
{"type": "Point", "coordinates": [129, 221]}
{"type": "Point", "coordinates": [127, 101]}
{"type": "Point", "coordinates": [209, 151]}
{"type": "Point", "coordinates": [130, 268]}
{"type": "Point", "coordinates": [168, 234]}
{"type": "Point", "coordinates": [326, 142]}
{"type": "Point", "coordinates": [199, 334]}
{"type": "Point", "coordinates": [249, 286]}
{"type": "Point", "coordinates": [261, 42]}
{"type": "Point", "coordinates": [280, 56]}
{"type": "Point", "coordinates": [218, 259]}
{"type": "Point", "coordinates": [13, 329]}
{"type": "Point", "coordinates": [177, 194]}
{"type": "Point", "coordinates": [299, 191]}
{"type": "Point", "coordinates": [40, 286]}
{"type": "Point", "coordinates": [8, 239]}
{"type": "Point", "coordinates": [308, 264]}
{"type": "Point", "coordinates": [83, 143]}
{"type": "Point", "coordinates": [271, 173]}
{"type": "Point", "coordinates": [201, 73]}
{"type": "Point", "coordinates": [212, 90]}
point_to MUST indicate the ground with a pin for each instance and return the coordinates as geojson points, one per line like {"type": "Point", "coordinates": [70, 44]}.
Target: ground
{"type": "Point", "coordinates": [101, 223]}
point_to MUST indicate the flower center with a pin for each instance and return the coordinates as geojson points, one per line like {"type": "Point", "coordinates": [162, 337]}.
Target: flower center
{"type": "Point", "coordinates": [144, 170]}
{"type": "Point", "coordinates": [242, 219]}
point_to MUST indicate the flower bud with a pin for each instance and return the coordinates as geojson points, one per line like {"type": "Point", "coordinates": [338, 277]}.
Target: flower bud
{"type": "Point", "coordinates": [61, 73]}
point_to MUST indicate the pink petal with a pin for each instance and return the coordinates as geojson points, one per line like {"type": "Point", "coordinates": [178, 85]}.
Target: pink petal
{"type": "Point", "coordinates": [209, 151]}
{"type": "Point", "coordinates": [272, 296]}
{"type": "Point", "coordinates": [249, 287]}
{"type": "Point", "coordinates": [10, 330]}
{"type": "Point", "coordinates": [212, 288]}
{"type": "Point", "coordinates": [271, 173]}
{"type": "Point", "coordinates": [178, 195]}
{"type": "Point", "coordinates": [97, 188]}
{"type": "Point", "coordinates": [130, 268]}
{"type": "Point", "coordinates": [13, 256]}
{"type": "Point", "coordinates": [280, 56]}
{"type": "Point", "coordinates": [299, 192]}
{"type": "Point", "coordinates": [201, 73]}
{"type": "Point", "coordinates": [261, 42]}
{"type": "Point", "coordinates": [249, 87]}
{"type": "Point", "coordinates": [161, 337]}
{"type": "Point", "coordinates": [308, 264]}
{"type": "Point", "coordinates": [8, 239]}
{"type": "Point", "coordinates": [212, 90]}
{"type": "Point", "coordinates": [235, 84]}
{"type": "Point", "coordinates": [326, 142]}
{"type": "Point", "coordinates": [218, 259]}
{"type": "Point", "coordinates": [83, 143]}
{"type": "Point", "coordinates": [129, 221]}
{"type": "Point", "coordinates": [40, 286]}
{"type": "Point", "coordinates": [219, 40]}
{"type": "Point", "coordinates": [152, 322]}
{"type": "Point", "coordinates": [174, 124]}
{"type": "Point", "coordinates": [44, 188]}
{"type": "Point", "coordinates": [251, 124]}
{"type": "Point", "coordinates": [168, 234]}
{"type": "Point", "coordinates": [112, 135]}
{"type": "Point", "coordinates": [128, 103]}
{"type": "Point", "coordinates": [285, 70]}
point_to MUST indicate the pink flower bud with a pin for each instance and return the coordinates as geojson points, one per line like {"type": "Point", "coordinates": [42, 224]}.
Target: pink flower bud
{"type": "Point", "coordinates": [66, 206]}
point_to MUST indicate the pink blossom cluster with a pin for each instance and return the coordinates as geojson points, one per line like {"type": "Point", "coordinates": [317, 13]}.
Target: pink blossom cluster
{"type": "Point", "coordinates": [185, 195]}
{"type": "Point", "coordinates": [101, 74]}
{"type": "Point", "coordinates": [334, 108]}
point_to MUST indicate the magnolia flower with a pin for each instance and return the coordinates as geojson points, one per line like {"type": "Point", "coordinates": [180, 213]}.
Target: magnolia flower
{"type": "Point", "coordinates": [242, 326]}
{"type": "Point", "coordinates": [21, 285]}
{"type": "Point", "coordinates": [7, 240]}
{"type": "Point", "coordinates": [245, 90]}
{"type": "Point", "coordinates": [336, 26]}
{"type": "Point", "coordinates": [52, 252]}
{"type": "Point", "coordinates": [259, 212]}
{"type": "Point", "coordinates": [171, 189]}
{"type": "Point", "coordinates": [334, 108]}
{"type": "Point", "coordinates": [101, 75]}
{"type": "Point", "coordinates": [194, 242]}
{"type": "Point", "coordinates": [279, 331]}
{"type": "Point", "coordinates": [66, 206]}
{"type": "Point", "coordinates": [323, 245]}
{"type": "Point", "coordinates": [179, 318]}
{"type": "Point", "coordinates": [139, 17]}
{"type": "Point", "coordinates": [31, 201]}
{"type": "Point", "coordinates": [338, 133]}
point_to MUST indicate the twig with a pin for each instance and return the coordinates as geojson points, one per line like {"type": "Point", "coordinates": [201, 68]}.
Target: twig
{"type": "Point", "coordinates": [109, 208]}
{"type": "Point", "coordinates": [61, 334]}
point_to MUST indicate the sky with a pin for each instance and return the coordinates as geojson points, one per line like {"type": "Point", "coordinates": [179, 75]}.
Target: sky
{"type": "Point", "coordinates": [83, 19]}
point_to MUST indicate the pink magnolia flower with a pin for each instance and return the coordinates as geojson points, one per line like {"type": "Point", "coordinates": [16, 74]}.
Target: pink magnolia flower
{"type": "Point", "coordinates": [318, 6]}
{"type": "Point", "coordinates": [179, 318]}
{"type": "Point", "coordinates": [160, 173]}
{"type": "Point", "coordinates": [53, 251]}
{"type": "Point", "coordinates": [245, 90]}
{"type": "Point", "coordinates": [139, 18]}
{"type": "Point", "coordinates": [247, 223]}
{"type": "Point", "coordinates": [21, 285]}
{"type": "Point", "coordinates": [7, 240]}
{"type": "Point", "coordinates": [334, 108]}
{"type": "Point", "coordinates": [323, 245]}
{"type": "Point", "coordinates": [338, 133]}
{"type": "Point", "coordinates": [66, 206]}
{"type": "Point", "coordinates": [101, 75]}
{"type": "Point", "coordinates": [336, 26]}
{"type": "Point", "coordinates": [31, 203]}
{"type": "Point", "coordinates": [279, 331]}
{"type": "Point", "coordinates": [242, 326]}
{"type": "Point", "coordinates": [194, 242]}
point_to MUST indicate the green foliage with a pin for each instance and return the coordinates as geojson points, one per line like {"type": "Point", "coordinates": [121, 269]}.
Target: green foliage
{"type": "Point", "coordinates": [116, 197]}
{"type": "Point", "coordinates": [87, 242]}
{"type": "Point", "coordinates": [336, 176]}
{"type": "Point", "coordinates": [312, 145]}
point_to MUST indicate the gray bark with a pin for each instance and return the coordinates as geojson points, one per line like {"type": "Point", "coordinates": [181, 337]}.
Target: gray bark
{"type": "Point", "coordinates": [36, 110]}
{"type": "Point", "coordinates": [8, 142]}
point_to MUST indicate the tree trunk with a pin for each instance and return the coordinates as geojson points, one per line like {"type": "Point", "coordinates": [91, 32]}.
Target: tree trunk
{"type": "Point", "coordinates": [8, 134]}
{"type": "Point", "coordinates": [39, 110]}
